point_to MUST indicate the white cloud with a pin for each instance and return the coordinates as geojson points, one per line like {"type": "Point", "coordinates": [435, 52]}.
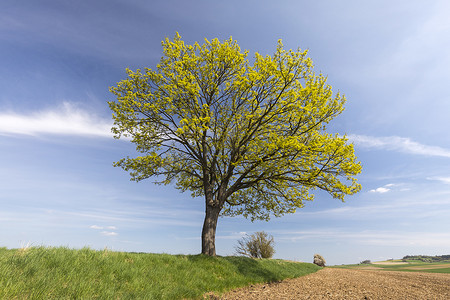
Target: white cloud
{"type": "Point", "coordinates": [387, 188]}
{"type": "Point", "coordinates": [400, 144]}
{"type": "Point", "coordinates": [380, 190]}
{"type": "Point", "coordinates": [109, 233]}
{"type": "Point", "coordinates": [64, 120]}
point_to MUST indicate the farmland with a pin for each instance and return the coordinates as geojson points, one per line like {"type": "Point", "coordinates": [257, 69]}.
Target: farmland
{"type": "Point", "coordinates": [403, 265]}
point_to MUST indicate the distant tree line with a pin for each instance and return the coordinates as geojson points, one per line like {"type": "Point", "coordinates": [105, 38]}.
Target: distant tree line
{"type": "Point", "coordinates": [427, 258]}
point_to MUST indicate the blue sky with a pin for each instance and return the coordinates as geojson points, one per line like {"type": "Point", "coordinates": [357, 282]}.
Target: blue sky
{"type": "Point", "coordinates": [57, 183]}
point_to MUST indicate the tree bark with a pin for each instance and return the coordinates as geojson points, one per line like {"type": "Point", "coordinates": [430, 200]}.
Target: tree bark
{"type": "Point", "coordinates": [209, 230]}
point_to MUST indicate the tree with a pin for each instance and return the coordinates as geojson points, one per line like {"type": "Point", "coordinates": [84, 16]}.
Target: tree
{"type": "Point", "coordinates": [257, 245]}
{"type": "Point", "coordinates": [249, 138]}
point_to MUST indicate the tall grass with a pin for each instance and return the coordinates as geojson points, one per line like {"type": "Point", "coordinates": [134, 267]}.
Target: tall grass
{"type": "Point", "coordinates": [62, 273]}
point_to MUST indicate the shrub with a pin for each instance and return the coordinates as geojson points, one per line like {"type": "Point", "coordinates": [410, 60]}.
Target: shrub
{"type": "Point", "coordinates": [365, 262]}
{"type": "Point", "coordinates": [258, 245]}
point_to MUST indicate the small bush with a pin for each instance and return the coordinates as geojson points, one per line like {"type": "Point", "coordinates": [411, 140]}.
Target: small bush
{"type": "Point", "coordinates": [365, 262]}
{"type": "Point", "coordinates": [258, 245]}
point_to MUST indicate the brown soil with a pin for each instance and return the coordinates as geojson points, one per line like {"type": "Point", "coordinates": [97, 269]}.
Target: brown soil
{"type": "Point", "coordinates": [332, 283]}
{"type": "Point", "coordinates": [369, 268]}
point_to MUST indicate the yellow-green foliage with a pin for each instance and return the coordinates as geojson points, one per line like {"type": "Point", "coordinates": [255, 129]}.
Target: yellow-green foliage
{"type": "Point", "coordinates": [249, 137]}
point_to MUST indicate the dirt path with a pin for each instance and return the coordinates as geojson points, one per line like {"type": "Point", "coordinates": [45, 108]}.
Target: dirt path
{"type": "Point", "coordinates": [332, 283]}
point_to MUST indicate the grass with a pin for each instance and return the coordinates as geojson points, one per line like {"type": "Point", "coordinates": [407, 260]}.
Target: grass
{"type": "Point", "coordinates": [62, 273]}
{"type": "Point", "coordinates": [408, 266]}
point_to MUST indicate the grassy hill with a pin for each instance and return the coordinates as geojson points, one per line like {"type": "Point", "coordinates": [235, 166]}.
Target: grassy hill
{"type": "Point", "coordinates": [62, 273]}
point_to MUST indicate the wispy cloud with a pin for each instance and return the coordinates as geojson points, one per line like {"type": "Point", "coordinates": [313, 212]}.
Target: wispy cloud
{"type": "Point", "coordinates": [95, 227]}
{"type": "Point", "coordinates": [66, 119]}
{"type": "Point", "coordinates": [232, 235]}
{"type": "Point", "coordinates": [445, 180]}
{"type": "Point", "coordinates": [35, 23]}
{"type": "Point", "coordinates": [169, 217]}
{"type": "Point", "coordinates": [430, 205]}
{"type": "Point", "coordinates": [376, 238]}
{"type": "Point", "coordinates": [105, 232]}
{"type": "Point", "coordinates": [109, 233]}
{"type": "Point", "coordinates": [400, 144]}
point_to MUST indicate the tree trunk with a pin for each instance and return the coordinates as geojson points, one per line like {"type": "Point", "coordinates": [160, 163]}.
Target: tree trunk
{"type": "Point", "coordinates": [209, 230]}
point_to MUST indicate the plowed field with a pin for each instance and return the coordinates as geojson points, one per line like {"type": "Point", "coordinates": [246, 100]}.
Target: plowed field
{"type": "Point", "coordinates": [330, 283]}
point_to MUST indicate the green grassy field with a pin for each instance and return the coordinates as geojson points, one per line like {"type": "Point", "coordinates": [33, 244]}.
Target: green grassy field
{"type": "Point", "coordinates": [62, 273]}
{"type": "Point", "coordinates": [407, 266]}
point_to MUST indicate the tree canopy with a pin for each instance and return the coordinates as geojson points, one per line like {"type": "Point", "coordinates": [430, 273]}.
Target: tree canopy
{"type": "Point", "coordinates": [248, 137]}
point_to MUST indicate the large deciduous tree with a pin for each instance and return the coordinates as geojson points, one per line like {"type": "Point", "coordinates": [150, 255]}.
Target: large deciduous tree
{"type": "Point", "coordinates": [248, 137]}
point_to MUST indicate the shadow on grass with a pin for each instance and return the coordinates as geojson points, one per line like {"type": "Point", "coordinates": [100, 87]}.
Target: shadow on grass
{"type": "Point", "coordinates": [250, 267]}
{"type": "Point", "coordinates": [247, 267]}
